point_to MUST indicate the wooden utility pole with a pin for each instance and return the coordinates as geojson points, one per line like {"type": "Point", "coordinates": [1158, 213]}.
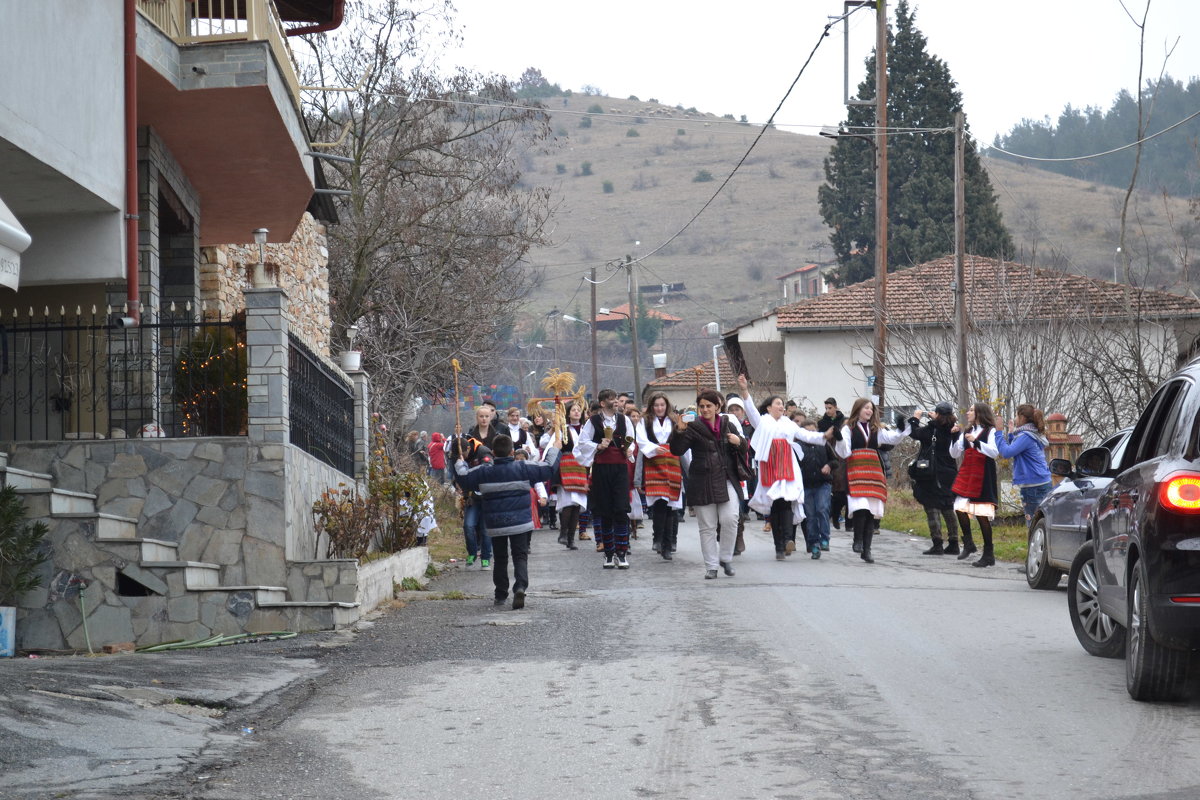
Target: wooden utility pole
{"type": "Point", "coordinates": [960, 271]}
{"type": "Point", "coordinates": [592, 332]}
{"type": "Point", "coordinates": [630, 266]}
{"type": "Point", "coordinates": [881, 199]}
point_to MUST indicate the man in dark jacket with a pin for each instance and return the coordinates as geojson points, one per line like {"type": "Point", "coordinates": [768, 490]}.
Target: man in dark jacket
{"type": "Point", "coordinates": [817, 472]}
{"type": "Point", "coordinates": [503, 488]}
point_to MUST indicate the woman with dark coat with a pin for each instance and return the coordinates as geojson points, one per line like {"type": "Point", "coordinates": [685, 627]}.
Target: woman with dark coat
{"type": "Point", "coordinates": [932, 487]}
{"type": "Point", "coordinates": [713, 485]}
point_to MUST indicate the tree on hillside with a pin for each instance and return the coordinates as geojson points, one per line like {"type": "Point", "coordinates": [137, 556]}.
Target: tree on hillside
{"type": "Point", "coordinates": [428, 257]}
{"type": "Point", "coordinates": [921, 94]}
{"type": "Point", "coordinates": [534, 84]}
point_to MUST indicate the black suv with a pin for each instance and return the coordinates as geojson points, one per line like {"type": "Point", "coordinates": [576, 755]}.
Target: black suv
{"type": "Point", "coordinates": [1145, 540]}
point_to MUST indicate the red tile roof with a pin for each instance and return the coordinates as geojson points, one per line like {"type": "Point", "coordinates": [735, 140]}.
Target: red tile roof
{"type": "Point", "coordinates": [624, 309]}
{"type": "Point", "coordinates": [686, 378]}
{"type": "Point", "coordinates": [922, 294]}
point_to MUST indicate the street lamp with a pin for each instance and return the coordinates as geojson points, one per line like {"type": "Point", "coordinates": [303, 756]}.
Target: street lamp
{"type": "Point", "coordinates": [714, 329]}
{"type": "Point", "coordinates": [637, 378]}
{"type": "Point", "coordinates": [258, 277]}
{"type": "Point", "coordinates": [552, 350]}
{"type": "Point", "coordinates": [569, 318]}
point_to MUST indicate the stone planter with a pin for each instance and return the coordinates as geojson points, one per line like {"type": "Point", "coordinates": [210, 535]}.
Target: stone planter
{"type": "Point", "coordinates": [351, 360]}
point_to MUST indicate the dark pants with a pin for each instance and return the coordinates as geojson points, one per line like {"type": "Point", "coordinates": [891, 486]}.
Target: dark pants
{"type": "Point", "coordinates": [934, 517]}
{"type": "Point", "coordinates": [568, 522]}
{"type": "Point", "coordinates": [782, 529]}
{"type": "Point", "coordinates": [837, 506]}
{"type": "Point", "coordinates": [519, 543]}
{"type": "Point", "coordinates": [864, 529]}
{"type": "Point", "coordinates": [614, 533]}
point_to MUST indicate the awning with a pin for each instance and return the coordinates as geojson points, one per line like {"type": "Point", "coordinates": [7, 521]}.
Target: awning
{"type": "Point", "coordinates": [13, 241]}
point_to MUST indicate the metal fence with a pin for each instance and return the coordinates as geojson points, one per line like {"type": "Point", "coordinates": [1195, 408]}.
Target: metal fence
{"type": "Point", "coordinates": [321, 409]}
{"type": "Point", "coordinates": [88, 377]}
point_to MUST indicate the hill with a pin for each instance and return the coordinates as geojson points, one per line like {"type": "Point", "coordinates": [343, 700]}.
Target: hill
{"type": "Point", "coordinates": [629, 171]}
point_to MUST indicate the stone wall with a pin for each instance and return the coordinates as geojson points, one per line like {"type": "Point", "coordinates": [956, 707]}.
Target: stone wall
{"type": "Point", "coordinates": [306, 478]}
{"type": "Point", "coordinates": [344, 580]}
{"type": "Point", "coordinates": [300, 269]}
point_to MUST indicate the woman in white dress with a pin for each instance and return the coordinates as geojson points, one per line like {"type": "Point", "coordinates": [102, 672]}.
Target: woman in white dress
{"type": "Point", "coordinates": [976, 488]}
{"type": "Point", "coordinates": [861, 438]}
{"type": "Point", "coordinates": [572, 490]}
{"type": "Point", "coordinates": [662, 473]}
{"type": "Point", "coordinates": [780, 492]}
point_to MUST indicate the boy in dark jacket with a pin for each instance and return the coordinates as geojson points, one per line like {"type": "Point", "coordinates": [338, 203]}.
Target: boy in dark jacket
{"type": "Point", "coordinates": [503, 488]}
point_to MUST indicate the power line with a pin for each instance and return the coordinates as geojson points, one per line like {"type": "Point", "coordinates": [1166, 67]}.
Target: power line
{"type": "Point", "coordinates": [1143, 140]}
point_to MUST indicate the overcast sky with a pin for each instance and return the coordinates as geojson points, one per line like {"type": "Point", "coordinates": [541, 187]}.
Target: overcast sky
{"type": "Point", "coordinates": [1013, 59]}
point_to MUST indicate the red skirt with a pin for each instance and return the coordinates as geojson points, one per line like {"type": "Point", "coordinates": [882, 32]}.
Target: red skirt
{"type": "Point", "coordinates": [778, 464]}
{"type": "Point", "coordinates": [662, 477]}
{"type": "Point", "coordinates": [864, 472]}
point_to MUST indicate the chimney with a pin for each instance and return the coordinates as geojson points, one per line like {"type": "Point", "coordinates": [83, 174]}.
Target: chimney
{"type": "Point", "coordinates": [660, 365]}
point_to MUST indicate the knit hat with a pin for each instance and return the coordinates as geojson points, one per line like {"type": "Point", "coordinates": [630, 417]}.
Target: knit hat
{"type": "Point", "coordinates": [943, 408]}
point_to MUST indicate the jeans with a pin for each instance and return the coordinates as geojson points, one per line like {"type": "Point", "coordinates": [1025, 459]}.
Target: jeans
{"type": "Point", "coordinates": [816, 513]}
{"type": "Point", "coordinates": [1032, 496]}
{"type": "Point", "coordinates": [478, 543]}
{"type": "Point", "coordinates": [520, 560]}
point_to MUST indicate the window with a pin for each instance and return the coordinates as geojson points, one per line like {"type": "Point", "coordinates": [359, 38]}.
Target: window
{"type": "Point", "coordinates": [1152, 434]}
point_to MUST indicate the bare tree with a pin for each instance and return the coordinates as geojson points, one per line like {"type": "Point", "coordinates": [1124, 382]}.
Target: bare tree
{"type": "Point", "coordinates": [428, 257]}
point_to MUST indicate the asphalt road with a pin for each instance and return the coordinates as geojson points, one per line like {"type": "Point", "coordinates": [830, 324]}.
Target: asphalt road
{"type": "Point", "coordinates": [917, 677]}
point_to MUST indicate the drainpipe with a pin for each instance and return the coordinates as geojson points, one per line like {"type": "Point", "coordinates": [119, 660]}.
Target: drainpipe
{"type": "Point", "coordinates": [334, 22]}
{"type": "Point", "coordinates": [133, 290]}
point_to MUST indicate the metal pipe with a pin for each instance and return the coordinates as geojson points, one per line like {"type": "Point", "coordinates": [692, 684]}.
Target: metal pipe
{"type": "Point", "coordinates": [133, 300]}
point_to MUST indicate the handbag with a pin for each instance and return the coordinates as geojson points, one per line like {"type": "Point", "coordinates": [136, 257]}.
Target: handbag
{"type": "Point", "coordinates": [921, 468]}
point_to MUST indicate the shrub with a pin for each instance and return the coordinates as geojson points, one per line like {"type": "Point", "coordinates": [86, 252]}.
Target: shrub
{"type": "Point", "coordinates": [585, 122]}
{"type": "Point", "coordinates": [634, 98]}
{"type": "Point", "coordinates": [561, 169]}
{"type": "Point", "coordinates": [585, 168]}
{"type": "Point", "coordinates": [727, 116]}
{"type": "Point", "coordinates": [209, 385]}
{"type": "Point", "coordinates": [560, 131]}
{"type": "Point", "coordinates": [652, 100]}
{"type": "Point", "coordinates": [608, 187]}
{"type": "Point", "coordinates": [639, 121]}
{"type": "Point", "coordinates": [702, 176]}
{"type": "Point", "coordinates": [692, 110]}
{"type": "Point", "coordinates": [595, 108]}
{"type": "Point", "coordinates": [21, 551]}
{"type": "Point", "coordinates": [632, 132]}
{"type": "Point", "coordinates": [680, 132]}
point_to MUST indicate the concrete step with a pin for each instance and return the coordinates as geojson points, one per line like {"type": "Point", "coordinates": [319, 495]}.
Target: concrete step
{"type": "Point", "coordinates": [314, 615]}
{"type": "Point", "coordinates": [61, 501]}
{"type": "Point", "coordinates": [262, 594]}
{"type": "Point", "coordinates": [24, 479]}
{"type": "Point", "coordinates": [109, 527]}
{"type": "Point", "coordinates": [196, 574]}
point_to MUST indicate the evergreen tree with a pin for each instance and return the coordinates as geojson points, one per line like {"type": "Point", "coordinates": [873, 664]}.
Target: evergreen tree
{"type": "Point", "coordinates": [921, 94]}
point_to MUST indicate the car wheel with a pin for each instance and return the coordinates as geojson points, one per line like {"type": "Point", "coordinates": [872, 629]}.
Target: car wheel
{"type": "Point", "coordinates": [1038, 572]}
{"type": "Point", "coordinates": [1152, 672]}
{"type": "Point", "coordinates": [1099, 633]}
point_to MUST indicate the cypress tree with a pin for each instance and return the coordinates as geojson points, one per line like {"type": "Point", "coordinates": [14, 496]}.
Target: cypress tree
{"type": "Point", "coordinates": [921, 94]}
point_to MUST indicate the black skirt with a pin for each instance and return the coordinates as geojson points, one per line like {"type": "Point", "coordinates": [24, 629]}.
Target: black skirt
{"type": "Point", "coordinates": [609, 493]}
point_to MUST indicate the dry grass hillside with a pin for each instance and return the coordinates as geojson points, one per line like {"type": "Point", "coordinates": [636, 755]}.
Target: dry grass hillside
{"type": "Point", "coordinates": [644, 160]}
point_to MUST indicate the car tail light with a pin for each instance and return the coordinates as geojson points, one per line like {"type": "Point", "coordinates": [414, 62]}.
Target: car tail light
{"type": "Point", "coordinates": [1193, 599]}
{"type": "Point", "coordinates": [1180, 492]}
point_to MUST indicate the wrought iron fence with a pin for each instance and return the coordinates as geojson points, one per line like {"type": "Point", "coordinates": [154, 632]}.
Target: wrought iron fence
{"type": "Point", "coordinates": [321, 409]}
{"type": "Point", "coordinates": [88, 377]}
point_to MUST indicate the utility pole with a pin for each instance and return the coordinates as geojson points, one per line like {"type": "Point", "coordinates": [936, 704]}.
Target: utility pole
{"type": "Point", "coordinates": [592, 332]}
{"type": "Point", "coordinates": [630, 266]}
{"type": "Point", "coordinates": [960, 271]}
{"type": "Point", "coordinates": [881, 200]}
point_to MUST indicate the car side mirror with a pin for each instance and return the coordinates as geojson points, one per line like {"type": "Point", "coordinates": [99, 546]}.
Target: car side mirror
{"type": "Point", "coordinates": [1094, 462]}
{"type": "Point", "coordinates": [1060, 467]}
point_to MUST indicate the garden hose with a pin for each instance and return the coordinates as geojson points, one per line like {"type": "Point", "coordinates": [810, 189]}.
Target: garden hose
{"type": "Point", "coordinates": [217, 640]}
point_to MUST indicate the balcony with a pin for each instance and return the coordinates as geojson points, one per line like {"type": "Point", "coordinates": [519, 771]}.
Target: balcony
{"type": "Point", "coordinates": [218, 83]}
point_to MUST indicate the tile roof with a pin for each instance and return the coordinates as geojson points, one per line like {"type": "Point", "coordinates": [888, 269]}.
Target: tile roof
{"type": "Point", "coordinates": [922, 294]}
{"type": "Point", "coordinates": [624, 309]}
{"type": "Point", "coordinates": [686, 378]}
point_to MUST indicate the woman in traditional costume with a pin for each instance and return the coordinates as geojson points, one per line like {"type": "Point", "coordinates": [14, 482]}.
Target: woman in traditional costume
{"type": "Point", "coordinates": [976, 488]}
{"type": "Point", "coordinates": [662, 473]}
{"type": "Point", "coordinates": [861, 438]}
{"type": "Point", "coordinates": [572, 493]}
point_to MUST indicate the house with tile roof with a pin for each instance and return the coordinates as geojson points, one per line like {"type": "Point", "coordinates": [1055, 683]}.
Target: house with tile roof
{"type": "Point", "coordinates": [619, 315]}
{"type": "Point", "coordinates": [682, 385]}
{"type": "Point", "coordinates": [822, 346]}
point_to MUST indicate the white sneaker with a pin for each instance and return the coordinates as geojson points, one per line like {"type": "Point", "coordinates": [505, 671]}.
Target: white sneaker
{"type": "Point", "coordinates": [609, 562]}
{"type": "Point", "coordinates": [622, 561]}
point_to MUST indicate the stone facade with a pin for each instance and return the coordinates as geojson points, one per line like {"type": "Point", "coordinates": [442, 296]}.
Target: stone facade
{"type": "Point", "coordinates": [299, 267]}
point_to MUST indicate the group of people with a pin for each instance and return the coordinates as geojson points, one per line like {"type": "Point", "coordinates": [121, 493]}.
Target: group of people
{"type": "Point", "coordinates": [614, 464]}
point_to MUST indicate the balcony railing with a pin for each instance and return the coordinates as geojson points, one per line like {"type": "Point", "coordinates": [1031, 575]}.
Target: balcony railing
{"type": "Point", "coordinates": [190, 22]}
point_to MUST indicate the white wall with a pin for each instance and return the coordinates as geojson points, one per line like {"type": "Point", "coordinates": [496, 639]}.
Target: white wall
{"type": "Point", "coordinates": [62, 161]}
{"type": "Point", "coordinates": [834, 364]}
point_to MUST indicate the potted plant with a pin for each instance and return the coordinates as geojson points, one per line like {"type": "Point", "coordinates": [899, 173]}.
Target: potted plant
{"type": "Point", "coordinates": [351, 357]}
{"type": "Point", "coordinates": [21, 554]}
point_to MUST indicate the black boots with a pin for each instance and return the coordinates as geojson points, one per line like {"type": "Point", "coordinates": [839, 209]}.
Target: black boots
{"type": "Point", "coordinates": [739, 546]}
{"type": "Point", "coordinates": [988, 559]}
{"type": "Point", "coordinates": [968, 547]}
{"type": "Point", "coordinates": [951, 547]}
{"type": "Point", "coordinates": [936, 550]}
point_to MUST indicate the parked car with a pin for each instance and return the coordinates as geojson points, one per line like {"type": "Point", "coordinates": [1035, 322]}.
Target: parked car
{"type": "Point", "coordinates": [1059, 526]}
{"type": "Point", "coordinates": [1144, 537]}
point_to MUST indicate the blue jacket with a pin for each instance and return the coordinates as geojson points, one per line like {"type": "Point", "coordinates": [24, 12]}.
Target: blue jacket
{"type": "Point", "coordinates": [503, 487]}
{"type": "Point", "coordinates": [1028, 453]}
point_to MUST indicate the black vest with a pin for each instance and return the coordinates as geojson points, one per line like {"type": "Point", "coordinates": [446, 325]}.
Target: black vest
{"type": "Point", "coordinates": [649, 423]}
{"type": "Point", "coordinates": [858, 442]}
{"type": "Point", "coordinates": [598, 428]}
